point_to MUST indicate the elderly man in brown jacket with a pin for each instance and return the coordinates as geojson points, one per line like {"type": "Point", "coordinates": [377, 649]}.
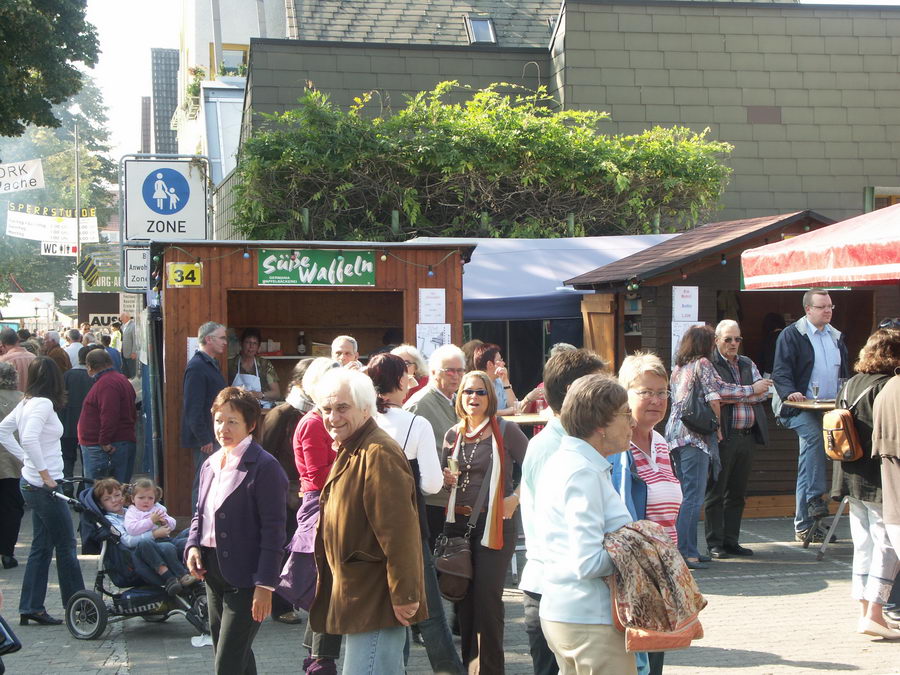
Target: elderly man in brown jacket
{"type": "Point", "coordinates": [371, 582]}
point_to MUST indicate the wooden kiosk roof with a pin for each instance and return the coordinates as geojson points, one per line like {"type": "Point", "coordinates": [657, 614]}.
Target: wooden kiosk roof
{"type": "Point", "coordinates": [689, 248]}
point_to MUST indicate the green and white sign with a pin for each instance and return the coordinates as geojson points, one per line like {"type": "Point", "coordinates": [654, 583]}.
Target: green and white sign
{"type": "Point", "coordinates": [315, 267]}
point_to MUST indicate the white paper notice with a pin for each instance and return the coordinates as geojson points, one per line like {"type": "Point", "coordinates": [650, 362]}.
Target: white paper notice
{"type": "Point", "coordinates": [430, 336]}
{"type": "Point", "coordinates": [685, 303]}
{"type": "Point", "coordinates": [432, 305]}
{"type": "Point", "coordinates": [193, 346]}
{"type": "Point", "coordinates": [679, 328]}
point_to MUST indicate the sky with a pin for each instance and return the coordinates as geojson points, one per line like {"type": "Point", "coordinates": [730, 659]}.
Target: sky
{"type": "Point", "coordinates": [127, 29]}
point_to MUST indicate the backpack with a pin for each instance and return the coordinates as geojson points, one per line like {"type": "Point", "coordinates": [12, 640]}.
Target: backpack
{"type": "Point", "coordinates": [839, 431]}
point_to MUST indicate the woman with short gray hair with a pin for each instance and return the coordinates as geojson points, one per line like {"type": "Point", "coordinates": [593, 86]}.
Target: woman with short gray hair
{"type": "Point", "coordinates": [579, 506]}
{"type": "Point", "coordinates": [12, 506]}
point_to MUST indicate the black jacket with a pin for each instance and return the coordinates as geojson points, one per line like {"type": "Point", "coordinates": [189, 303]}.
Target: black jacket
{"type": "Point", "coordinates": [745, 366]}
{"type": "Point", "coordinates": [202, 383]}
{"type": "Point", "coordinates": [794, 357]}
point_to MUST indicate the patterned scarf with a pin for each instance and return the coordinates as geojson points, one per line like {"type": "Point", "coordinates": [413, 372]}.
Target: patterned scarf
{"type": "Point", "coordinates": [493, 531]}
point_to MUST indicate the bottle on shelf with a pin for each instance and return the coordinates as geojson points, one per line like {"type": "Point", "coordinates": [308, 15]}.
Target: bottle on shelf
{"type": "Point", "coordinates": [301, 343]}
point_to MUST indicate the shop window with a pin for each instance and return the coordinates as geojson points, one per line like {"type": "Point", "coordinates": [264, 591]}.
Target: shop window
{"type": "Point", "coordinates": [481, 30]}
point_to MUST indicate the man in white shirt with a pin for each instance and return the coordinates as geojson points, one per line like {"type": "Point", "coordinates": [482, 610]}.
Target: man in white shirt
{"type": "Point", "coordinates": [73, 345]}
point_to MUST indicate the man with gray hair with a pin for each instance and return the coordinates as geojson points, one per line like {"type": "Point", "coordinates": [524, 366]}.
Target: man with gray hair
{"type": "Point", "coordinates": [434, 402]}
{"type": "Point", "coordinates": [15, 355]}
{"type": "Point", "coordinates": [202, 383]}
{"type": "Point", "coordinates": [345, 350]}
{"type": "Point", "coordinates": [743, 425]}
{"type": "Point", "coordinates": [55, 352]}
{"type": "Point", "coordinates": [73, 345]}
{"type": "Point", "coordinates": [129, 345]}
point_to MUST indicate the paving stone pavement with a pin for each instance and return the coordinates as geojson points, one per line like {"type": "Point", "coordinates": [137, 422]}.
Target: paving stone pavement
{"type": "Point", "coordinates": [778, 612]}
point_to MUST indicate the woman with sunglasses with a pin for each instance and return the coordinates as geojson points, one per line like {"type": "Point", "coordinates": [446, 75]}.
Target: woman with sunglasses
{"type": "Point", "coordinates": [483, 447]}
{"type": "Point", "coordinates": [416, 368]}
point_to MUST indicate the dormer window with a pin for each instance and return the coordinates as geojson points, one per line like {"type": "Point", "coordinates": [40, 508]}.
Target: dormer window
{"type": "Point", "coordinates": [481, 30]}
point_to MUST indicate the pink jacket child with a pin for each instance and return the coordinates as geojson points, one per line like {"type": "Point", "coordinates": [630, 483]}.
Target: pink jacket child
{"type": "Point", "coordinates": [145, 513]}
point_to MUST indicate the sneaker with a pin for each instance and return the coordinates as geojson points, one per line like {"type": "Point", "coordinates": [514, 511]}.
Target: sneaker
{"type": "Point", "coordinates": [173, 586]}
{"type": "Point", "coordinates": [188, 580]}
{"type": "Point", "coordinates": [817, 538]}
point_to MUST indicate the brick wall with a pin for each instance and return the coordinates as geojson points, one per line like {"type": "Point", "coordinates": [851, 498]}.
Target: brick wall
{"type": "Point", "coordinates": [809, 96]}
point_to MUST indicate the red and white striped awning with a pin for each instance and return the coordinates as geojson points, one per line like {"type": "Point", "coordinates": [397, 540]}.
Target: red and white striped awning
{"type": "Point", "coordinates": [861, 251]}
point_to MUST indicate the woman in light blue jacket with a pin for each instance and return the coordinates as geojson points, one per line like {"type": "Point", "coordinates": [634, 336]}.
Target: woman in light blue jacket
{"type": "Point", "coordinates": [580, 506]}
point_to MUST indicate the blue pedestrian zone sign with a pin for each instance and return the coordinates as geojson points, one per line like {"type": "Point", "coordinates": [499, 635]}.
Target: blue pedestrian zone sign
{"type": "Point", "coordinates": [165, 191]}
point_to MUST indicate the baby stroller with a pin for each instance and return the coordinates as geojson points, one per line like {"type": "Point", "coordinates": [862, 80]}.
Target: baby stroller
{"type": "Point", "coordinates": [89, 612]}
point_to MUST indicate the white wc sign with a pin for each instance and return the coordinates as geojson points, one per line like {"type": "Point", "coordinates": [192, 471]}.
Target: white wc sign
{"type": "Point", "coordinates": [101, 321]}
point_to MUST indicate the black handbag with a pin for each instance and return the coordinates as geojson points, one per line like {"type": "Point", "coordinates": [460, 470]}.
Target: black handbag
{"type": "Point", "coordinates": [697, 415]}
{"type": "Point", "coordinates": [9, 643]}
{"type": "Point", "coordinates": [453, 555]}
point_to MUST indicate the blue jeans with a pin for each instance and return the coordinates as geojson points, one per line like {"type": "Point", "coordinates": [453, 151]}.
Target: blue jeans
{"type": "Point", "coordinates": [378, 652]}
{"type": "Point", "coordinates": [691, 468]}
{"type": "Point", "coordinates": [151, 554]}
{"type": "Point", "coordinates": [52, 530]}
{"type": "Point", "coordinates": [119, 464]}
{"type": "Point", "coordinates": [811, 481]}
{"type": "Point", "coordinates": [435, 630]}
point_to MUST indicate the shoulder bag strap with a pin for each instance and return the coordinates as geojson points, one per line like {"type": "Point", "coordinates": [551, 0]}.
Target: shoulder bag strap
{"type": "Point", "coordinates": [859, 398]}
{"type": "Point", "coordinates": [409, 431]}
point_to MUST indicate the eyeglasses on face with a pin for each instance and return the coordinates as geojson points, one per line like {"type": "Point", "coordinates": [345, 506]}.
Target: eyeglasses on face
{"type": "Point", "coordinates": [662, 394]}
{"type": "Point", "coordinates": [453, 371]}
{"type": "Point", "coordinates": [823, 306]}
{"type": "Point", "coordinates": [737, 339]}
{"type": "Point", "coordinates": [409, 363]}
{"type": "Point", "coordinates": [476, 392]}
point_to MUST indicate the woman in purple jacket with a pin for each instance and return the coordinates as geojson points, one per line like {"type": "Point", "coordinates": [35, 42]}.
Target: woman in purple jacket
{"type": "Point", "coordinates": [237, 534]}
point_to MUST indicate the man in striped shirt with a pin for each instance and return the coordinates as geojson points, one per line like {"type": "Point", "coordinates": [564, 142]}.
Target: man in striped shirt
{"type": "Point", "coordinates": [743, 424]}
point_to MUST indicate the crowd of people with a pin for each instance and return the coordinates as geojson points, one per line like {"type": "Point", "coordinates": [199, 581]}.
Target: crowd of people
{"type": "Point", "coordinates": [314, 503]}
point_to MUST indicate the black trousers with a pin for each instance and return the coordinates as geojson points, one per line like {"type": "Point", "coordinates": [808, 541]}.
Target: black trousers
{"type": "Point", "coordinates": [230, 621]}
{"type": "Point", "coordinates": [12, 508]}
{"type": "Point", "coordinates": [542, 657]}
{"type": "Point", "coordinates": [725, 498]}
{"type": "Point", "coordinates": [481, 613]}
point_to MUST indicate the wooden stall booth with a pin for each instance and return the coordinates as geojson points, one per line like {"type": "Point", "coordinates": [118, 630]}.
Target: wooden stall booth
{"type": "Point", "coordinates": [632, 309]}
{"type": "Point", "coordinates": [323, 289]}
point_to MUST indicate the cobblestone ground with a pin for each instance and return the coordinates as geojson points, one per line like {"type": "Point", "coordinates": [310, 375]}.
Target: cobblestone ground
{"type": "Point", "coordinates": [778, 612]}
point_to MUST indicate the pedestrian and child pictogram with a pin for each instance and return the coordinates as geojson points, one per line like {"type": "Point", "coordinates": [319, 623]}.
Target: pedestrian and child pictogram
{"type": "Point", "coordinates": [165, 191]}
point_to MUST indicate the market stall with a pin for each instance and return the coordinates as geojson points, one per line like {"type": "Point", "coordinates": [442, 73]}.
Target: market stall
{"type": "Point", "coordinates": [323, 289]}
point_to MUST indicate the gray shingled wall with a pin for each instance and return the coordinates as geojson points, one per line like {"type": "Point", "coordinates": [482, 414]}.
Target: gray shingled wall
{"type": "Point", "coordinates": [280, 70]}
{"type": "Point", "coordinates": [810, 97]}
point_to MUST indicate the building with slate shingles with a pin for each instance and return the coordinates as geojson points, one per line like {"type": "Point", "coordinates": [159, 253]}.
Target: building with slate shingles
{"type": "Point", "coordinates": [164, 68]}
{"type": "Point", "coordinates": [809, 95]}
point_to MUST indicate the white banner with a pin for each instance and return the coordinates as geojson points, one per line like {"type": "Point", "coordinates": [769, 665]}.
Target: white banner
{"type": "Point", "coordinates": [17, 176]}
{"type": "Point", "coordinates": [48, 228]}
{"type": "Point", "coordinates": [54, 248]}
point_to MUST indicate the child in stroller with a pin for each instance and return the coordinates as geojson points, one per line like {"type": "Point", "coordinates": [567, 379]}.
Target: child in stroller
{"type": "Point", "coordinates": [136, 572]}
{"type": "Point", "coordinates": [155, 555]}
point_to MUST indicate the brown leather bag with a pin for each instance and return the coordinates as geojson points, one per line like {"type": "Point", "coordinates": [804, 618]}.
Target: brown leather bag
{"type": "Point", "coordinates": [842, 442]}
{"type": "Point", "coordinates": [453, 555]}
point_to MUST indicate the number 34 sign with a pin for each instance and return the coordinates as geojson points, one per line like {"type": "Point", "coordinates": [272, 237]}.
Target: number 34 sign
{"type": "Point", "coordinates": [179, 275]}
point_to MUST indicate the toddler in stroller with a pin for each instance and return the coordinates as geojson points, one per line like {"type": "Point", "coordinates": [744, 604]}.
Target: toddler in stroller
{"type": "Point", "coordinates": [146, 573]}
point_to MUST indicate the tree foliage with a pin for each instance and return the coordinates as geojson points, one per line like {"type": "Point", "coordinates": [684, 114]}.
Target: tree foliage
{"type": "Point", "coordinates": [492, 164]}
{"type": "Point", "coordinates": [56, 148]}
{"type": "Point", "coordinates": [40, 41]}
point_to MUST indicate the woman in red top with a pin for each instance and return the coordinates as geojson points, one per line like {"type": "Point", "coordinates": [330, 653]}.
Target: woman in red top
{"type": "Point", "coordinates": [313, 454]}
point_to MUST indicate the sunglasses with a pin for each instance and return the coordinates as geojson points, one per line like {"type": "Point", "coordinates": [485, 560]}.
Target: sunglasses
{"type": "Point", "coordinates": [890, 323]}
{"type": "Point", "coordinates": [477, 392]}
{"type": "Point", "coordinates": [729, 340]}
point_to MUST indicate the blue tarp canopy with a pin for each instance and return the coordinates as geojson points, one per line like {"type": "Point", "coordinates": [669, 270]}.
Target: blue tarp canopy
{"type": "Point", "coordinates": [522, 279]}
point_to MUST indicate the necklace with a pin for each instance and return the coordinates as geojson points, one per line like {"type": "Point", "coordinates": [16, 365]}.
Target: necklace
{"type": "Point", "coordinates": [470, 439]}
